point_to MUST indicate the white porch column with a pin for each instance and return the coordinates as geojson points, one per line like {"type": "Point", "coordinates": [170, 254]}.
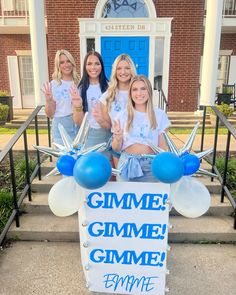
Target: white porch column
{"type": "Point", "coordinates": [211, 51]}
{"type": "Point", "coordinates": [39, 47]}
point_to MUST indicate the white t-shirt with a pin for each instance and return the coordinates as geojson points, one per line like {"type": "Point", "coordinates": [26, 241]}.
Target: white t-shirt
{"type": "Point", "coordinates": [61, 96]}
{"type": "Point", "coordinates": [140, 131]}
{"type": "Point", "coordinates": [93, 94]}
{"type": "Point", "coordinates": [118, 106]}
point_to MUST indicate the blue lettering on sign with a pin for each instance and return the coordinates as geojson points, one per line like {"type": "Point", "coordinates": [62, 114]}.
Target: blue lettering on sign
{"type": "Point", "coordinates": [127, 230]}
{"type": "Point", "coordinates": [127, 201]}
{"type": "Point", "coordinates": [129, 282]}
{"type": "Point", "coordinates": [128, 257]}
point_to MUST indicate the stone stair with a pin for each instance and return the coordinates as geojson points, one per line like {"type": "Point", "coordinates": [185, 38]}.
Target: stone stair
{"type": "Point", "coordinates": [189, 119]}
{"type": "Point", "coordinates": [178, 119]}
{"type": "Point", "coordinates": [39, 224]}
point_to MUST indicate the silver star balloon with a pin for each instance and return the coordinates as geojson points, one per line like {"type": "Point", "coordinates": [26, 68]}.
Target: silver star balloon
{"type": "Point", "coordinates": [187, 148]}
{"type": "Point", "coordinates": [74, 148]}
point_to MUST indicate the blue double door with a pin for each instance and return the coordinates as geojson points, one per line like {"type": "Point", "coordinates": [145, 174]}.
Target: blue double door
{"type": "Point", "coordinates": [136, 47]}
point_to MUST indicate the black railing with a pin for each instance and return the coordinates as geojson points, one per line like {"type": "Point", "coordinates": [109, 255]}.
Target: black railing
{"type": "Point", "coordinates": [8, 151]}
{"type": "Point", "coordinates": [230, 134]}
{"type": "Point", "coordinates": [162, 101]}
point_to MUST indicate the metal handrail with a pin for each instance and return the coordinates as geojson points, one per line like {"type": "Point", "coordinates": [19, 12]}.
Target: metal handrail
{"type": "Point", "coordinates": [162, 101]}
{"type": "Point", "coordinates": [8, 150]}
{"type": "Point", "coordinates": [231, 133]}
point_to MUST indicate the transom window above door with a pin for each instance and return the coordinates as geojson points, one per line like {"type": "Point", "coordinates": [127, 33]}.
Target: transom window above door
{"type": "Point", "coordinates": [125, 9]}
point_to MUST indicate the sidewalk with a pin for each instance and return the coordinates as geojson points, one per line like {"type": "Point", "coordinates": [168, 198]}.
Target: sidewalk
{"type": "Point", "coordinates": [179, 140]}
{"type": "Point", "coordinates": [50, 268]}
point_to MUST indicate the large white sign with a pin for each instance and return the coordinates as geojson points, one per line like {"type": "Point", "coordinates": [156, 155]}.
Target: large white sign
{"type": "Point", "coordinates": [123, 238]}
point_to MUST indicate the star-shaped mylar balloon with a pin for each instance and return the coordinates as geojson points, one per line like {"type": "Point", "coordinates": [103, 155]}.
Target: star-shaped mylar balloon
{"type": "Point", "coordinates": [74, 148]}
{"type": "Point", "coordinates": [186, 149]}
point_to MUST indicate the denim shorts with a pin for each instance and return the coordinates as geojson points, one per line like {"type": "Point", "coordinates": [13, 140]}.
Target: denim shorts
{"type": "Point", "coordinates": [135, 168]}
{"type": "Point", "coordinates": [69, 125]}
{"type": "Point", "coordinates": [96, 136]}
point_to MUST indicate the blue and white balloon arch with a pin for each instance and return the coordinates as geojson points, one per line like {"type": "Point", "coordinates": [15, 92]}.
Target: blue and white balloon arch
{"type": "Point", "coordinates": [88, 168]}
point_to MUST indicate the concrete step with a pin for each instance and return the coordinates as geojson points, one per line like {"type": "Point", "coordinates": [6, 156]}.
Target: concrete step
{"type": "Point", "coordinates": [216, 209]}
{"type": "Point", "coordinates": [39, 205]}
{"type": "Point", "coordinates": [45, 184]}
{"type": "Point", "coordinates": [203, 229]}
{"type": "Point", "coordinates": [40, 227]}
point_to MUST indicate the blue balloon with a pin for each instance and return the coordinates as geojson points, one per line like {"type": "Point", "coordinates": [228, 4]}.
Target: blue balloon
{"type": "Point", "coordinates": [184, 154]}
{"type": "Point", "coordinates": [92, 171]}
{"type": "Point", "coordinates": [167, 167]}
{"type": "Point", "coordinates": [65, 165]}
{"type": "Point", "coordinates": [191, 164]}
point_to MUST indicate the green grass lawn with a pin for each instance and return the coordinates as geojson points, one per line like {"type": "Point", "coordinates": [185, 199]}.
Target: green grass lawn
{"type": "Point", "coordinates": [221, 130]}
{"type": "Point", "coordinates": [172, 130]}
{"type": "Point", "coordinates": [13, 131]}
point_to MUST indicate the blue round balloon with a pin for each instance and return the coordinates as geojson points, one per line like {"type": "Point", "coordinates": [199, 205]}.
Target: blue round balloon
{"type": "Point", "coordinates": [92, 171]}
{"type": "Point", "coordinates": [65, 165]}
{"type": "Point", "coordinates": [167, 167]}
{"type": "Point", "coordinates": [191, 164]}
{"type": "Point", "coordinates": [184, 154]}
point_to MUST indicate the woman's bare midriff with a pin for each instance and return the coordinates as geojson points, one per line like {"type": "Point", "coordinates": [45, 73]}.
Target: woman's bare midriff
{"type": "Point", "coordinates": [138, 148]}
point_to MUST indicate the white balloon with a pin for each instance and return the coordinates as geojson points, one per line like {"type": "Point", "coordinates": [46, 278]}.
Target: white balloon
{"type": "Point", "coordinates": [190, 197]}
{"type": "Point", "coordinates": [64, 197]}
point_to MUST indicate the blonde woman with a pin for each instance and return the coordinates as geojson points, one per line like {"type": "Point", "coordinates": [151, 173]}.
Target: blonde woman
{"type": "Point", "coordinates": [135, 128]}
{"type": "Point", "coordinates": [58, 101]}
{"type": "Point", "coordinates": [115, 99]}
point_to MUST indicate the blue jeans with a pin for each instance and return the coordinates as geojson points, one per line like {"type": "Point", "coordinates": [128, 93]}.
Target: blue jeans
{"type": "Point", "coordinates": [96, 136]}
{"type": "Point", "coordinates": [69, 125]}
{"type": "Point", "coordinates": [135, 168]}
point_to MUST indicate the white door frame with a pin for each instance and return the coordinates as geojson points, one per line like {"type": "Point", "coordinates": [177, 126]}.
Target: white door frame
{"type": "Point", "coordinates": [151, 27]}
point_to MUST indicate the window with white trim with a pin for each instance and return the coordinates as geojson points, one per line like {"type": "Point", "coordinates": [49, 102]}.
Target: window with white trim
{"type": "Point", "coordinates": [223, 70]}
{"type": "Point", "coordinates": [26, 74]}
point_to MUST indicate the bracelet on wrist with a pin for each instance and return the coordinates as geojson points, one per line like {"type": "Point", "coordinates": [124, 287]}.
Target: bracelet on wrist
{"type": "Point", "coordinates": [78, 109]}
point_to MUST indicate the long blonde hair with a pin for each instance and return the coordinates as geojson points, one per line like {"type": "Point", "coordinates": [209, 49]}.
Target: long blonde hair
{"type": "Point", "coordinates": [150, 107]}
{"type": "Point", "coordinates": [57, 73]}
{"type": "Point", "coordinates": [113, 84]}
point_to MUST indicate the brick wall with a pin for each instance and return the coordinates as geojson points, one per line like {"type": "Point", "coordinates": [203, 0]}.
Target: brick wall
{"type": "Point", "coordinates": [228, 42]}
{"type": "Point", "coordinates": [10, 43]}
{"type": "Point", "coordinates": [63, 27]}
{"type": "Point", "coordinates": [186, 45]}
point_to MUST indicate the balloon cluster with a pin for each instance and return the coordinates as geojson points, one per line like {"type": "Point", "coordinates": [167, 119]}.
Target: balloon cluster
{"type": "Point", "coordinates": [90, 171]}
{"type": "Point", "coordinates": [169, 168]}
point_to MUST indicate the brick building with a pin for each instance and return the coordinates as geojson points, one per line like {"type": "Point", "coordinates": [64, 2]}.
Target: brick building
{"type": "Point", "coordinates": [164, 37]}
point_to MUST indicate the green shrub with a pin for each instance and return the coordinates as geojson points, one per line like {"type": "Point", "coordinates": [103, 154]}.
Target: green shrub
{"type": "Point", "coordinates": [6, 207]}
{"type": "Point", "coordinates": [20, 171]}
{"type": "Point", "coordinates": [4, 109]}
{"type": "Point", "coordinates": [230, 175]}
{"type": "Point", "coordinates": [224, 108]}
{"type": "Point", "coordinates": [4, 93]}
{"type": "Point", "coordinates": [6, 197]}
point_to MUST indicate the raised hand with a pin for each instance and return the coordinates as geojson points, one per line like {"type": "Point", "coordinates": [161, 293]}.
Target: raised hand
{"type": "Point", "coordinates": [96, 112]}
{"type": "Point", "coordinates": [76, 99]}
{"type": "Point", "coordinates": [47, 90]}
{"type": "Point", "coordinates": [117, 131]}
